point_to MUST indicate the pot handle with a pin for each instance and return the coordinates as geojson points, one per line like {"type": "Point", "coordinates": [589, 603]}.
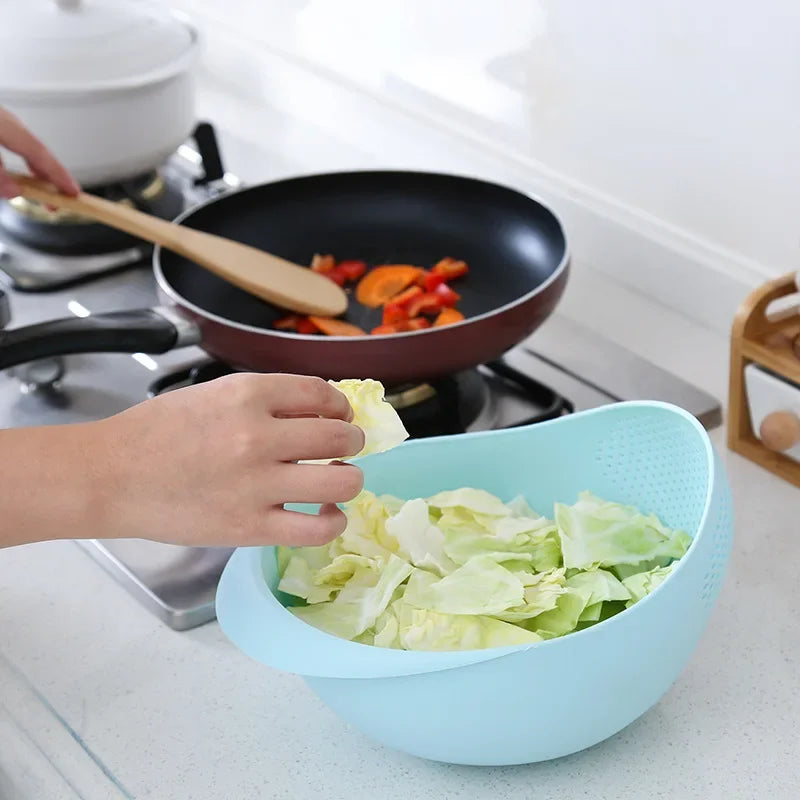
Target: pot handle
{"type": "Point", "coordinates": [147, 330]}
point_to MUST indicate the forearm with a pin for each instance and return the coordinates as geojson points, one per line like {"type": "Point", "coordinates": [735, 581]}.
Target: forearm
{"type": "Point", "coordinates": [51, 483]}
{"type": "Point", "coordinates": [208, 465]}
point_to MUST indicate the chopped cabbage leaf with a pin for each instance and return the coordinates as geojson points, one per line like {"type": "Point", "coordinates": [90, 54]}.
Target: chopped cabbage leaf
{"type": "Point", "coordinates": [418, 540]}
{"type": "Point", "coordinates": [642, 583]}
{"type": "Point", "coordinates": [387, 630]}
{"type": "Point", "coordinates": [357, 606]}
{"type": "Point", "coordinates": [476, 501]}
{"type": "Point", "coordinates": [540, 594]}
{"type": "Point", "coordinates": [539, 545]}
{"type": "Point", "coordinates": [366, 533]}
{"type": "Point", "coordinates": [599, 586]}
{"type": "Point", "coordinates": [421, 629]}
{"type": "Point", "coordinates": [597, 533]}
{"type": "Point", "coordinates": [591, 613]}
{"type": "Point", "coordinates": [463, 570]}
{"type": "Point", "coordinates": [563, 618]}
{"type": "Point", "coordinates": [623, 571]}
{"type": "Point", "coordinates": [519, 507]}
{"type": "Point", "coordinates": [481, 586]}
{"type": "Point", "coordinates": [303, 564]}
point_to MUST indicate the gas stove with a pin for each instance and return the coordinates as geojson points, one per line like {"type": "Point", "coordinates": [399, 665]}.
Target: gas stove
{"type": "Point", "coordinates": [561, 369]}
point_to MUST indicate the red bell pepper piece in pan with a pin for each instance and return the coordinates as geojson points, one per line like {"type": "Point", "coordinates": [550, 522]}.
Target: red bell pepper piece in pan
{"type": "Point", "coordinates": [397, 308]}
{"type": "Point", "coordinates": [431, 281]}
{"type": "Point", "coordinates": [431, 302]}
{"type": "Point", "coordinates": [294, 322]}
{"type": "Point", "coordinates": [403, 326]}
{"type": "Point", "coordinates": [352, 270]}
{"type": "Point", "coordinates": [427, 302]}
{"type": "Point", "coordinates": [306, 326]}
{"type": "Point", "coordinates": [448, 297]}
{"type": "Point", "coordinates": [393, 313]}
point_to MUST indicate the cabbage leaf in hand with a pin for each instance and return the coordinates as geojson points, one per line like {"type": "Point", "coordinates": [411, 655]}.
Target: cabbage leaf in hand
{"type": "Point", "coordinates": [382, 426]}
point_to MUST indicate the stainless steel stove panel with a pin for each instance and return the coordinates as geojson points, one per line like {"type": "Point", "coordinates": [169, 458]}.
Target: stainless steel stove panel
{"type": "Point", "coordinates": [176, 583]}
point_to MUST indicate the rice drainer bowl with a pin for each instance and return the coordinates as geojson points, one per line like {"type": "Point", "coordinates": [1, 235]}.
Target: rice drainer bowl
{"type": "Point", "coordinates": [486, 707]}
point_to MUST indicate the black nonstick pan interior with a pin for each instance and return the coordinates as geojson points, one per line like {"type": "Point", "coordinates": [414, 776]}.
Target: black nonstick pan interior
{"type": "Point", "coordinates": [512, 243]}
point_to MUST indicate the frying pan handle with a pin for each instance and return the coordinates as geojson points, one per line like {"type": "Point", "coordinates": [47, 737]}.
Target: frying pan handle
{"type": "Point", "coordinates": [147, 330]}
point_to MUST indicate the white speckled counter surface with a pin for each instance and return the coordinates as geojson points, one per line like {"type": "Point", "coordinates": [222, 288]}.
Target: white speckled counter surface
{"type": "Point", "coordinates": [186, 716]}
{"type": "Point", "coordinates": [119, 706]}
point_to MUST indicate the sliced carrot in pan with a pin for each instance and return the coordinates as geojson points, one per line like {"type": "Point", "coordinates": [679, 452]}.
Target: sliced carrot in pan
{"type": "Point", "coordinates": [450, 268]}
{"type": "Point", "coordinates": [322, 264]}
{"type": "Point", "coordinates": [287, 323]}
{"type": "Point", "coordinates": [337, 327]}
{"type": "Point", "coordinates": [405, 297]}
{"type": "Point", "coordinates": [447, 317]}
{"type": "Point", "coordinates": [382, 283]}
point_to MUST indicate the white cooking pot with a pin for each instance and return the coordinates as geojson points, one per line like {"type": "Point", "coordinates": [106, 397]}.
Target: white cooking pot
{"type": "Point", "coordinates": [107, 85]}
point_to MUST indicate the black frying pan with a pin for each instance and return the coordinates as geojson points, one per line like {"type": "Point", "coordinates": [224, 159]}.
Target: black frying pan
{"type": "Point", "coordinates": [514, 245]}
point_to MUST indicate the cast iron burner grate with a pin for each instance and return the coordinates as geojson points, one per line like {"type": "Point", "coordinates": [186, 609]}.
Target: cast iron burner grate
{"type": "Point", "coordinates": [454, 404]}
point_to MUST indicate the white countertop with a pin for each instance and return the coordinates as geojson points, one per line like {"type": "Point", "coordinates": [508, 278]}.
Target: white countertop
{"type": "Point", "coordinates": [116, 705]}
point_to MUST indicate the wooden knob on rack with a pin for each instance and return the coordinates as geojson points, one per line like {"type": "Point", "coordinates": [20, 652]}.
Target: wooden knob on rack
{"type": "Point", "coordinates": [780, 431]}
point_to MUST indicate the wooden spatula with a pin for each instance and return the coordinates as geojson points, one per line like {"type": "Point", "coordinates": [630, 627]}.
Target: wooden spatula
{"type": "Point", "coordinates": [273, 279]}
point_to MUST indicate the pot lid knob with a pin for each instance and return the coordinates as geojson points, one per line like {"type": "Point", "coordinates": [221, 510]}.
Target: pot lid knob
{"type": "Point", "coordinates": [68, 5]}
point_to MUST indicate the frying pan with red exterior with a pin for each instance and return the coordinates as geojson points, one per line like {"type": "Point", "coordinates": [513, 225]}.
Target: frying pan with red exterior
{"type": "Point", "coordinates": [515, 247]}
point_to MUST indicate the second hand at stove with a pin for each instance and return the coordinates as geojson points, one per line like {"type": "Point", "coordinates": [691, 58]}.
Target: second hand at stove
{"type": "Point", "coordinates": [41, 252]}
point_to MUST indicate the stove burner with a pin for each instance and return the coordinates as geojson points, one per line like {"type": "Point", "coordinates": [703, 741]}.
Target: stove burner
{"type": "Point", "coordinates": [551, 403]}
{"type": "Point", "coordinates": [41, 250]}
{"type": "Point", "coordinates": [136, 193]}
{"type": "Point", "coordinates": [66, 233]}
{"type": "Point", "coordinates": [451, 405]}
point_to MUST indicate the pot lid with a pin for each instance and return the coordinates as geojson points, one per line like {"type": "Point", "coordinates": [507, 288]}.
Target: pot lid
{"type": "Point", "coordinates": [79, 45]}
